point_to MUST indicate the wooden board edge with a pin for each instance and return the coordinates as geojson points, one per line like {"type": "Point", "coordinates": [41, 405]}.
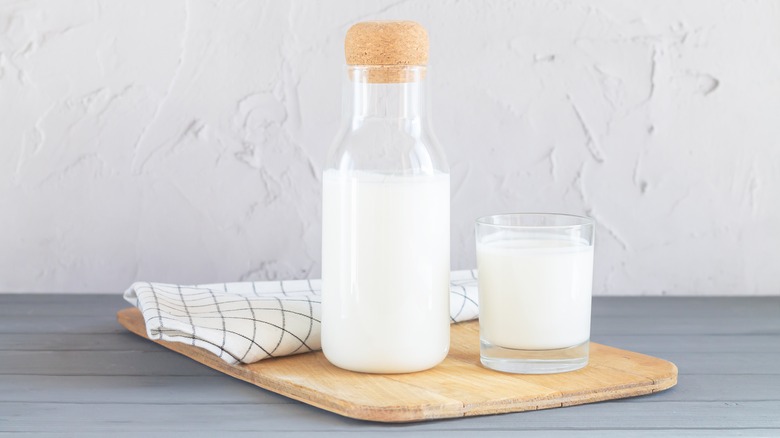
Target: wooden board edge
{"type": "Point", "coordinates": [660, 380]}
{"type": "Point", "coordinates": [617, 393]}
{"type": "Point", "coordinates": [128, 317]}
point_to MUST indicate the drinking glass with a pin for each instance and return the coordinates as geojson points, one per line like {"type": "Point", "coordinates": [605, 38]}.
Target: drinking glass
{"type": "Point", "coordinates": [535, 280]}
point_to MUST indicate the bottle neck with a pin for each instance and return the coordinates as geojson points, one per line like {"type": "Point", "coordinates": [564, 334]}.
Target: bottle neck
{"type": "Point", "coordinates": [377, 92]}
{"type": "Point", "coordinates": [385, 126]}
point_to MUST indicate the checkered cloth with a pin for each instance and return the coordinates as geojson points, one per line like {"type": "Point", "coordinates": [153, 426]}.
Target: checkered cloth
{"type": "Point", "coordinates": [251, 321]}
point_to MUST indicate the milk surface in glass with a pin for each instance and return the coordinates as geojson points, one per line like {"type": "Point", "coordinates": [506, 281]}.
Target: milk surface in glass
{"type": "Point", "coordinates": [385, 270]}
{"type": "Point", "coordinates": [535, 292]}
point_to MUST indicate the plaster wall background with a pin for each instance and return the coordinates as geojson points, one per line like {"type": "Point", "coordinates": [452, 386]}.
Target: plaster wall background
{"type": "Point", "coordinates": [182, 141]}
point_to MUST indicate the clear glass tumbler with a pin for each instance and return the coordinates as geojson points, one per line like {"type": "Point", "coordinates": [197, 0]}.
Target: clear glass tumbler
{"type": "Point", "coordinates": [535, 280]}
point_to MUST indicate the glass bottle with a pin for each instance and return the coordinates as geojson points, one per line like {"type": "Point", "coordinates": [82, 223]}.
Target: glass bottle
{"type": "Point", "coordinates": [386, 211]}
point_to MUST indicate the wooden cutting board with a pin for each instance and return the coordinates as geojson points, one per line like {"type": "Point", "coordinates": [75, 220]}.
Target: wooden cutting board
{"type": "Point", "coordinates": [459, 386]}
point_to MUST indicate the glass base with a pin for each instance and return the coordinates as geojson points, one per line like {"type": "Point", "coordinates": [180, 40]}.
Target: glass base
{"type": "Point", "coordinates": [510, 360]}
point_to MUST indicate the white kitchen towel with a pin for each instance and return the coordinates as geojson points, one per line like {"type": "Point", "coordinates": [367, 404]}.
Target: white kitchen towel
{"type": "Point", "coordinates": [251, 321]}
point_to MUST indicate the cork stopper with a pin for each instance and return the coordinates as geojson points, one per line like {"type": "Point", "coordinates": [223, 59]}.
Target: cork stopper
{"type": "Point", "coordinates": [387, 47]}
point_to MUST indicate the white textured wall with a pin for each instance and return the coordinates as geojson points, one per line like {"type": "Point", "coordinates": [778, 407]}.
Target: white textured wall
{"type": "Point", "coordinates": [182, 141]}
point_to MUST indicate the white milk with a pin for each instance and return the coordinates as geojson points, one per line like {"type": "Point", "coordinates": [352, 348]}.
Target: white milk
{"type": "Point", "coordinates": [385, 271]}
{"type": "Point", "coordinates": [534, 294]}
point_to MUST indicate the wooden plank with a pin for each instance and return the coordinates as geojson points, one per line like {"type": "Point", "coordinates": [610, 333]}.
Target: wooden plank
{"type": "Point", "coordinates": [601, 326]}
{"type": "Point", "coordinates": [640, 316]}
{"type": "Point", "coordinates": [547, 433]}
{"type": "Point", "coordinates": [221, 388]}
{"type": "Point", "coordinates": [673, 325]}
{"type": "Point", "coordinates": [211, 389]}
{"type": "Point", "coordinates": [99, 363]}
{"type": "Point", "coordinates": [457, 387]}
{"type": "Point", "coordinates": [687, 307]}
{"type": "Point", "coordinates": [721, 388]}
{"type": "Point", "coordinates": [60, 304]}
{"type": "Point", "coordinates": [223, 418]}
{"type": "Point", "coordinates": [98, 405]}
{"type": "Point", "coordinates": [79, 324]}
{"type": "Point", "coordinates": [718, 364]}
{"type": "Point", "coordinates": [603, 306]}
{"type": "Point", "coordinates": [147, 362]}
{"type": "Point", "coordinates": [683, 343]}
{"type": "Point", "coordinates": [651, 344]}
{"type": "Point", "coordinates": [74, 342]}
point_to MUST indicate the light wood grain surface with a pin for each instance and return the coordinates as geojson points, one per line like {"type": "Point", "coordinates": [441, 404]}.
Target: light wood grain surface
{"type": "Point", "coordinates": [67, 367]}
{"type": "Point", "coordinates": [457, 387]}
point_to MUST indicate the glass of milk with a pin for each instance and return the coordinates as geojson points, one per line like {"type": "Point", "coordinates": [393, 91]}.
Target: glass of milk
{"type": "Point", "coordinates": [535, 279]}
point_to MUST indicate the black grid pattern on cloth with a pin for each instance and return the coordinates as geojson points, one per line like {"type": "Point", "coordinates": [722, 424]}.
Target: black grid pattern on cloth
{"type": "Point", "coordinates": [251, 321]}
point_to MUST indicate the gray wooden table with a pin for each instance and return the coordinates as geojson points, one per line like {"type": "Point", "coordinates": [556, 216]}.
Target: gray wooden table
{"type": "Point", "coordinates": [67, 368]}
